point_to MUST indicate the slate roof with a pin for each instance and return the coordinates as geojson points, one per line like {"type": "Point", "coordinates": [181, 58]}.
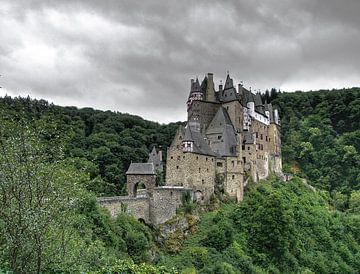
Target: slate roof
{"type": "Point", "coordinates": [222, 125]}
{"type": "Point", "coordinates": [203, 86]}
{"type": "Point", "coordinates": [229, 92]}
{"type": "Point", "coordinates": [271, 112]}
{"type": "Point", "coordinates": [200, 145]}
{"type": "Point", "coordinates": [141, 169]}
{"type": "Point", "coordinates": [195, 86]}
{"type": "Point", "coordinates": [220, 119]}
{"type": "Point", "coordinates": [155, 157]}
{"type": "Point", "coordinates": [247, 96]}
{"type": "Point", "coordinates": [258, 100]}
{"type": "Point", "coordinates": [228, 82]}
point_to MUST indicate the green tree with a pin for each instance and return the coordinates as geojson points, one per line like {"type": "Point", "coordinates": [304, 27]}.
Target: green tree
{"type": "Point", "coordinates": [37, 194]}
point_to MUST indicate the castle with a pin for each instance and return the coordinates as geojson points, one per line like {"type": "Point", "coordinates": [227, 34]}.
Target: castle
{"type": "Point", "coordinates": [231, 136]}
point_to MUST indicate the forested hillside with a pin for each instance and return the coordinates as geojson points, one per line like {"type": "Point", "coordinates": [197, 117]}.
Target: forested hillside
{"type": "Point", "coordinates": [280, 227]}
{"type": "Point", "coordinates": [103, 143]}
{"type": "Point", "coordinates": [54, 161]}
{"type": "Point", "coordinates": [321, 138]}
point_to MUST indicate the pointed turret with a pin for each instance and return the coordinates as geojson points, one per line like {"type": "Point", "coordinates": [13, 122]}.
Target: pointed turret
{"type": "Point", "coordinates": [228, 82]}
{"type": "Point", "coordinates": [196, 94]}
{"type": "Point", "coordinates": [229, 92]}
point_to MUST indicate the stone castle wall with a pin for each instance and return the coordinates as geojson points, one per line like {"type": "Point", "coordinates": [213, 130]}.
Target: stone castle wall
{"type": "Point", "coordinates": [165, 201]}
{"type": "Point", "coordinates": [236, 114]}
{"type": "Point", "coordinates": [138, 207]}
{"type": "Point", "coordinates": [154, 209]}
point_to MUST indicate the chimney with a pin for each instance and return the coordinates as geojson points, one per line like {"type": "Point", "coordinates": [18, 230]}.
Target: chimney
{"type": "Point", "coordinates": [220, 86]}
{"type": "Point", "coordinates": [240, 88]}
{"type": "Point", "coordinates": [210, 90]}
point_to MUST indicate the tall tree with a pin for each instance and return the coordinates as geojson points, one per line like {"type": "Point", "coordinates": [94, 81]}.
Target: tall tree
{"type": "Point", "coordinates": [38, 192]}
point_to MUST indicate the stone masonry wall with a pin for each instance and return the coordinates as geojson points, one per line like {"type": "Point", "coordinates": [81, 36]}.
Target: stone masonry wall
{"type": "Point", "coordinates": [175, 167]}
{"type": "Point", "coordinates": [233, 184]}
{"type": "Point", "coordinates": [165, 201]}
{"type": "Point", "coordinates": [236, 113]}
{"type": "Point", "coordinates": [200, 175]}
{"type": "Point", "coordinates": [138, 207]}
{"type": "Point", "coordinates": [204, 111]}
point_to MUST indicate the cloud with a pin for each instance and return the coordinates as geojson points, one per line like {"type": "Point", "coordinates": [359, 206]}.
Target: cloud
{"type": "Point", "coordinates": [138, 56]}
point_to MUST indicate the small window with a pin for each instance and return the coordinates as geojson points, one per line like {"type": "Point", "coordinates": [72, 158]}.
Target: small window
{"type": "Point", "coordinates": [199, 169]}
{"type": "Point", "coordinates": [219, 164]}
{"type": "Point", "coordinates": [207, 170]}
{"type": "Point", "coordinates": [177, 167]}
{"type": "Point", "coordinates": [261, 136]}
{"type": "Point", "coordinates": [243, 147]}
{"type": "Point", "coordinates": [171, 157]}
{"type": "Point", "coordinates": [244, 160]}
{"type": "Point", "coordinates": [248, 147]}
{"type": "Point", "coordinates": [202, 181]}
{"type": "Point", "coordinates": [233, 177]}
{"type": "Point", "coordinates": [206, 159]}
{"type": "Point", "coordinates": [232, 163]}
{"type": "Point", "coordinates": [197, 157]}
{"type": "Point", "coordinates": [219, 137]}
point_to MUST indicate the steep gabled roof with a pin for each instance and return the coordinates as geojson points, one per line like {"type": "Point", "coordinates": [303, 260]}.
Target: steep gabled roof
{"type": "Point", "coordinates": [228, 82]}
{"type": "Point", "coordinates": [200, 146]}
{"type": "Point", "coordinates": [222, 126]}
{"type": "Point", "coordinates": [220, 119]}
{"type": "Point", "coordinates": [195, 86]}
{"type": "Point", "coordinates": [141, 169]}
{"type": "Point", "coordinates": [229, 142]}
{"type": "Point", "coordinates": [203, 85]}
{"type": "Point", "coordinates": [229, 92]}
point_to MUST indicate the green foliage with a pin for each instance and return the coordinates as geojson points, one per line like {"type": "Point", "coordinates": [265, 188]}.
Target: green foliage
{"type": "Point", "coordinates": [102, 142]}
{"type": "Point", "coordinates": [280, 227]}
{"type": "Point", "coordinates": [187, 204]}
{"type": "Point", "coordinates": [128, 267]}
{"type": "Point", "coordinates": [220, 235]}
{"type": "Point", "coordinates": [138, 237]}
{"type": "Point", "coordinates": [321, 138]}
{"type": "Point", "coordinates": [49, 222]}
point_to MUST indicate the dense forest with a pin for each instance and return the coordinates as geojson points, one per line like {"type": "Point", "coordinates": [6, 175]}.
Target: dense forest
{"type": "Point", "coordinates": [55, 160]}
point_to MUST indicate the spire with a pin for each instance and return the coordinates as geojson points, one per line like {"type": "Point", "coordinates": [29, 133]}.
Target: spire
{"type": "Point", "coordinates": [228, 82]}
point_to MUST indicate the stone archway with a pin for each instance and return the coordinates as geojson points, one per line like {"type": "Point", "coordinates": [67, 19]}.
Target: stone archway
{"type": "Point", "coordinates": [199, 197]}
{"type": "Point", "coordinates": [140, 172]}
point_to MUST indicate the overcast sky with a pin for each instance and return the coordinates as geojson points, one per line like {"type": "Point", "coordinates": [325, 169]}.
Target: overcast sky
{"type": "Point", "coordinates": [138, 56]}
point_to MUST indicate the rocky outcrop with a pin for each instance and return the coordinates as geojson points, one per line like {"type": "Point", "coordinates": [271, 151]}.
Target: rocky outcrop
{"type": "Point", "coordinates": [172, 233]}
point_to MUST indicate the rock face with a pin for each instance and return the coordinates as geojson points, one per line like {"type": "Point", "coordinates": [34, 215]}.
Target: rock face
{"type": "Point", "coordinates": [172, 233]}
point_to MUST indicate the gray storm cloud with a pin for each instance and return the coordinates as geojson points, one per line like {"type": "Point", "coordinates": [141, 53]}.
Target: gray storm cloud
{"type": "Point", "coordinates": [138, 56]}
